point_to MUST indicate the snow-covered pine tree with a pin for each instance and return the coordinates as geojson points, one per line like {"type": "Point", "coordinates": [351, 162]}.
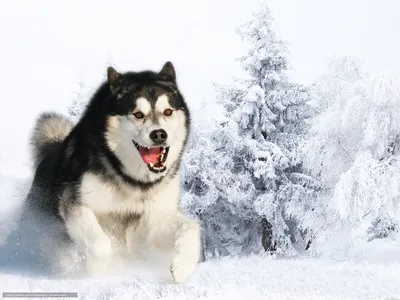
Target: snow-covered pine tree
{"type": "Point", "coordinates": [246, 181]}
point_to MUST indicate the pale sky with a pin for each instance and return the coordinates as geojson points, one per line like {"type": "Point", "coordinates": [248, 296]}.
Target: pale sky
{"type": "Point", "coordinates": [319, 29]}
{"type": "Point", "coordinates": [49, 47]}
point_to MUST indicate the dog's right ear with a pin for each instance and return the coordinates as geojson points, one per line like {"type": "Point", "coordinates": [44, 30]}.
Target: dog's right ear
{"type": "Point", "coordinates": [112, 77]}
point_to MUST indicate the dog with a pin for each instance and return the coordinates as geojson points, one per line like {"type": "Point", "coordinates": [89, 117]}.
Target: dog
{"type": "Point", "coordinates": [113, 179]}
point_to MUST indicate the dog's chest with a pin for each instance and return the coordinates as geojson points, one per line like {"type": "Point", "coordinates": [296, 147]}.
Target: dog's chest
{"type": "Point", "coordinates": [104, 198]}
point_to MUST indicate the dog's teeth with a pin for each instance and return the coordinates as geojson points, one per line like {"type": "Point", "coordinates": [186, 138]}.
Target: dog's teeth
{"type": "Point", "coordinates": [151, 165]}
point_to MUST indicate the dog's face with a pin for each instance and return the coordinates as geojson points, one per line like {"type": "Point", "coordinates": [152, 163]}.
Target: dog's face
{"type": "Point", "coordinates": [149, 121]}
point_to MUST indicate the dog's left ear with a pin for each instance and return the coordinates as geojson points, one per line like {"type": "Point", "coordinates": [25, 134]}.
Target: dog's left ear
{"type": "Point", "coordinates": [112, 77]}
{"type": "Point", "coordinates": [169, 70]}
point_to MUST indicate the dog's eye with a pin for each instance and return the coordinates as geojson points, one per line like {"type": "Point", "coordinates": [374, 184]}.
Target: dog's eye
{"type": "Point", "coordinates": [168, 112]}
{"type": "Point", "coordinates": [138, 115]}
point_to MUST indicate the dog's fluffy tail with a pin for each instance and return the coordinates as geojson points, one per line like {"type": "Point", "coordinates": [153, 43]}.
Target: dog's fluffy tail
{"type": "Point", "coordinates": [50, 128]}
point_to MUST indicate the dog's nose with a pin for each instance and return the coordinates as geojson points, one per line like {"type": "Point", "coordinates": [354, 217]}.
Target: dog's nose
{"type": "Point", "coordinates": [159, 135]}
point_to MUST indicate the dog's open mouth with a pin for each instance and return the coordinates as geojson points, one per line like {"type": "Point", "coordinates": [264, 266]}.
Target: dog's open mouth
{"type": "Point", "coordinates": [154, 157]}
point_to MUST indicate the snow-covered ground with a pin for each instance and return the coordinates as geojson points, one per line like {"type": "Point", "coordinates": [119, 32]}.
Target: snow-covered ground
{"type": "Point", "coordinates": [248, 278]}
{"type": "Point", "coordinates": [377, 277]}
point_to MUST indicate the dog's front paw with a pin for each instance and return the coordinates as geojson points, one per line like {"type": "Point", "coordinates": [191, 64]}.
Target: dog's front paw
{"type": "Point", "coordinates": [187, 255]}
{"type": "Point", "coordinates": [182, 267]}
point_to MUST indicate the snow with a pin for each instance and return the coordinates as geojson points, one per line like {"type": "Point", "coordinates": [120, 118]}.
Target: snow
{"type": "Point", "coordinates": [230, 278]}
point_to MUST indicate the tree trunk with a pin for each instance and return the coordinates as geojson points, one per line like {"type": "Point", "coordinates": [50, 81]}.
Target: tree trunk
{"type": "Point", "coordinates": [267, 237]}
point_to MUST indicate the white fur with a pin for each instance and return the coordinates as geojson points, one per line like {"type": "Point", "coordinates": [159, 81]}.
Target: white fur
{"type": "Point", "coordinates": [102, 197]}
{"type": "Point", "coordinates": [143, 105]}
{"type": "Point", "coordinates": [49, 128]}
{"type": "Point", "coordinates": [162, 104]}
{"type": "Point", "coordinates": [161, 224]}
{"type": "Point", "coordinates": [85, 230]}
{"type": "Point", "coordinates": [112, 132]}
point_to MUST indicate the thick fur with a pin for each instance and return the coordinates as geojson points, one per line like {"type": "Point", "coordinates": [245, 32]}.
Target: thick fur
{"type": "Point", "coordinates": [50, 129]}
{"type": "Point", "coordinates": [93, 180]}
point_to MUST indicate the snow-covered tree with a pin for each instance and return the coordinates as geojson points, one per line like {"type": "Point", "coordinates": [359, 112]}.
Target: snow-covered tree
{"type": "Point", "coordinates": [335, 135]}
{"type": "Point", "coordinates": [247, 182]}
{"type": "Point", "coordinates": [78, 105]}
{"type": "Point", "coordinates": [354, 141]}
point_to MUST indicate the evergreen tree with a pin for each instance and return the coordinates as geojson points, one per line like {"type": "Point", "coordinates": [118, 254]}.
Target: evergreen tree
{"type": "Point", "coordinates": [254, 191]}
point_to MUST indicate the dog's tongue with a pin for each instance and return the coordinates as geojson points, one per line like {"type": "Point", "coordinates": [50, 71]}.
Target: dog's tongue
{"type": "Point", "coordinates": [151, 155]}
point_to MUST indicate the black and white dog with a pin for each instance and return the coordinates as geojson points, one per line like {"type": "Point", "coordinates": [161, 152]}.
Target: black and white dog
{"type": "Point", "coordinates": [113, 178]}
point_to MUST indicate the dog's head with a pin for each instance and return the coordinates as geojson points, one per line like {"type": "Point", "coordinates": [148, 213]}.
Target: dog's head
{"type": "Point", "coordinates": [149, 121]}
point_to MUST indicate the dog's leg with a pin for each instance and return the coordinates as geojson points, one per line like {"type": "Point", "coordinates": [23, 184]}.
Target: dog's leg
{"type": "Point", "coordinates": [85, 230]}
{"type": "Point", "coordinates": [180, 235]}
